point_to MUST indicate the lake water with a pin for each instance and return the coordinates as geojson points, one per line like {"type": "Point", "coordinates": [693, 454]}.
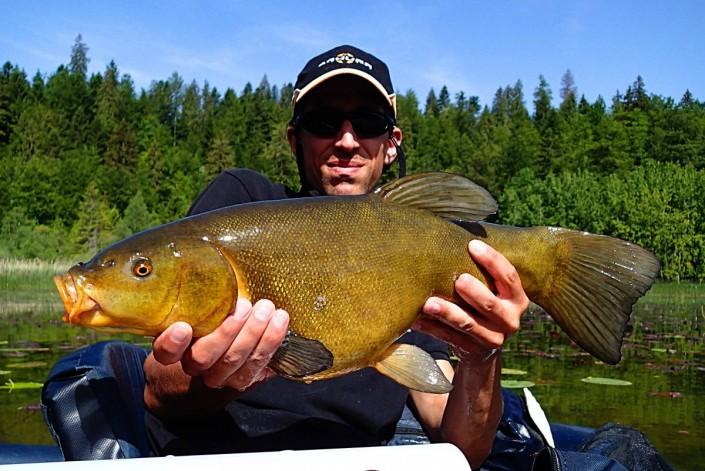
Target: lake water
{"type": "Point", "coordinates": [664, 360]}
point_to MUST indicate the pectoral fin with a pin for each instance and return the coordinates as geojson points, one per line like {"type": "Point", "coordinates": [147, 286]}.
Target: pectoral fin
{"type": "Point", "coordinates": [414, 368]}
{"type": "Point", "coordinates": [300, 356]}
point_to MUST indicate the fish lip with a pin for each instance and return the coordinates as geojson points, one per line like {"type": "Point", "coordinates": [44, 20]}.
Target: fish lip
{"type": "Point", "coordinates": [67, 291]}
{"type": "Point", "coordinates": [76, 302]}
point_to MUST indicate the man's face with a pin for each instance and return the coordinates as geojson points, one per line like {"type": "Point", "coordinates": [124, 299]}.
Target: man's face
{"type": "Point", "coordinates": [346, 163]}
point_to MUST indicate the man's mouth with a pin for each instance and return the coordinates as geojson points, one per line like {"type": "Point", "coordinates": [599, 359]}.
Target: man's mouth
{"type": "Point", "coordinates": [344, 164]}
{"type": "Point", "coordinates": [346, 160]}
{"type": "Point", "coordinates": [344, 168]}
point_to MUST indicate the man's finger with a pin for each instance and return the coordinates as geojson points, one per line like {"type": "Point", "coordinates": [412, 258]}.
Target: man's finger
{"type": "Point", "coordinates": [461, 342]}
{"type": "Point", "coordinates": [255, 368]}
{"type": "Point", "coordinates": [205, 351]}
{"type": "Point", "coordinates": [170, 345]}
{"type": "Point", "coordinates": [239, 349]}
{"type": "Point", "coordinates": [491, 308]}
{"type": "Point", "coordinates": [468, 329]}
{"type": "Point", "coordinates": [503, 274]}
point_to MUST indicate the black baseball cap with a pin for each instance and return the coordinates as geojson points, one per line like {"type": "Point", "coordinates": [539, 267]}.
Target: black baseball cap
{"type": "Point", "coordinates": [345, 60]}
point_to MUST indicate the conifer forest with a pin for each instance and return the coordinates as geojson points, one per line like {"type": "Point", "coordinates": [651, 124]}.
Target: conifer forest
{"type": "Point", "coordinates": [87, 159]}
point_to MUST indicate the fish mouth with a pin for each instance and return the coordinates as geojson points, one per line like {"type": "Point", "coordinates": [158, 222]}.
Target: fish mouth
{"type": "Point", "coordinates": [76, 302]}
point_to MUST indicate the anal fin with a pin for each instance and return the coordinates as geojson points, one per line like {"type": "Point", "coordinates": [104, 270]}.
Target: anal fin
{"type": "Point", "coordinates": [414, 368]}
{"type": "Point", "coordinates": [300, 356]}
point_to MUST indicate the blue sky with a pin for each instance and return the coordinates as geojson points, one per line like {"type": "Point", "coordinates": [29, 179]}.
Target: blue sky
{"type": "Point", "coordinates": [471, 46]}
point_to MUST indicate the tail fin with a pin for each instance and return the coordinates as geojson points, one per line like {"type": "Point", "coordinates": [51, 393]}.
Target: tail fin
{"type": "Point", "coordinates": [595, 282]}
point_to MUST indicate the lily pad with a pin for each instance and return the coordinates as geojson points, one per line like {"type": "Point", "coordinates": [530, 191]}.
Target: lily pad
{"type": "Point", "coordinates": [11, 385]}
{"type": "Point", "coordinates": [606, 381]}
{"type": "Point", "coordinates": [514, 384]}
{"type": "Point", "coordinates": [512, 371]}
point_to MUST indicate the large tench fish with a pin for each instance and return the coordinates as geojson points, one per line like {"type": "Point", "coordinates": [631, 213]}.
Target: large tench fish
{"type": "Point", "coordinates": [353, 273]}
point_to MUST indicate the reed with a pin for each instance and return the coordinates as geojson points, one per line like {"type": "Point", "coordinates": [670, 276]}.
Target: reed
{"type": "Point", "coordinates": [9, 266]}
{"type": "Point", "coordinates": [19, 278]}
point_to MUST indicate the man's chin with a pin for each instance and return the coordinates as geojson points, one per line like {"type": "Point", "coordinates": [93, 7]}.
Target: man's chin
{"type": "Point", "coordinates": [344, 188]}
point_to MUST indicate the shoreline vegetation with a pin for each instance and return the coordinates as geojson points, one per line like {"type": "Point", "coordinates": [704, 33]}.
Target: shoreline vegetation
{"type": "Point", "coordinates": [86, 160]}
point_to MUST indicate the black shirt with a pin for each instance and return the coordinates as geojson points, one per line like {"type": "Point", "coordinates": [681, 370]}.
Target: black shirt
{"type": "Point", "coordinates": [359, 409]}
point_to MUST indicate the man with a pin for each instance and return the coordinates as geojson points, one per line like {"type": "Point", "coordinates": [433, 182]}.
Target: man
{"type": "Point", "coordinates": [216, 394]}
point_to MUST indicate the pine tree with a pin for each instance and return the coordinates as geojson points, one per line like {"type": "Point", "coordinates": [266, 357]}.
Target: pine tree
{"type": "Point", "coordinates": [432, 108]}
{"type": "Point", "coordinates": [13, 91]}
{"type": "Point", "coordinates": [136, 218]}
{"type": "Point", "coordinates": [568, 88]}
{"type": "Point", "coordinates": [569, 94]}
{"type": "Point", "coordinates": [96, 220]}
{"type": "Point", "coordinates": [220, 155]}
{"type": "Point", "coordinates": [543, 109]}
{"type": "Point", "coordinates": [79, 57]}
{"type": "Point", "coordinates": [108, 98]}
{"type": "Point", "coordinates": [687, 100]}
{"type": "Point", "coordinates": [636, 96]}
{"type": "Point", "coordinates": [443, 99]}
{"type": "Point", "coordinates": [191, 122]}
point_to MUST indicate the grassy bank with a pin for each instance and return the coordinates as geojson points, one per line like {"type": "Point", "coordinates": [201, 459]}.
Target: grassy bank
{"type": "Point", "coordinates": [23, 281]}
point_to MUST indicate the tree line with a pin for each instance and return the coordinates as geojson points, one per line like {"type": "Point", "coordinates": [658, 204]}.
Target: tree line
{"type": "Point", "coordinates": [87, 159]}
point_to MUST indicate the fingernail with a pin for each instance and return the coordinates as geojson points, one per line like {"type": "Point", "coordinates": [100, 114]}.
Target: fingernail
{"type": "Point", "coordinates": [179, 334]}
{"type": "Point", "coordinates": [240, 313]}
{"type": "Point", "coordinates": [262, 312]}
{"type": "Point", "coordinates": [432, 307]}
{"type": "Point", "coordinates": [242, 309]}
{"type": "Point", "coordinates": [464, 277]}
{"type": "Point", "coordinates": [279, 318]}
{"type": "Point", "coordinates": [478, 246]}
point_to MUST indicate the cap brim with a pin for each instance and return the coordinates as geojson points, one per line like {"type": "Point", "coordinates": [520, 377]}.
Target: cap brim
{"type": "Point", "coordinates": [300, 93]}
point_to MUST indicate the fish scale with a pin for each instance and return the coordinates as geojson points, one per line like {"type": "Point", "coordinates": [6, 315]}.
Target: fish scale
{"type": "Point", "coordinates": [382, 253]}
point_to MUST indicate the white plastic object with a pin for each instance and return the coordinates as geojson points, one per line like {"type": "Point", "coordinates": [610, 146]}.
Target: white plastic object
{"type": "Point", "coordinates": [382, 458]}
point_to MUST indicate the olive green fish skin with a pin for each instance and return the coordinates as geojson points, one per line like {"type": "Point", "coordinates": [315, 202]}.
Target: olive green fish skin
{"type": "Point", "coordinates": [352, 272]}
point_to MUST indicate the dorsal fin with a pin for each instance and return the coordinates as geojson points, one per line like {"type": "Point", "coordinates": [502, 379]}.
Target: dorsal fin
{"type": "Point", "coordinates": [446, 195]}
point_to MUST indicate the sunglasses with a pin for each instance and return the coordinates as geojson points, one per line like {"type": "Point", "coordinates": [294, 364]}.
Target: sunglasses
{"type": "Point", "coordinates": [326, 122]}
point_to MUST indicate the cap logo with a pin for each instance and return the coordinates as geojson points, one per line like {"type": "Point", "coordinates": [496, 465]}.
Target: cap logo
{"type": "Point", "coordinates": [345, 58]}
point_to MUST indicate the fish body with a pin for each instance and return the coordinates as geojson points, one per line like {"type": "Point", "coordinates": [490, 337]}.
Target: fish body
{"type": "Point", "coordinates": [353, 273]}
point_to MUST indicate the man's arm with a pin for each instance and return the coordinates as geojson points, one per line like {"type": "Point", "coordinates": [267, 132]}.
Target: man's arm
{"type": "Point", "coordinates": [186, 378]}
{"type": "Point", "coordinates": [468, 416]}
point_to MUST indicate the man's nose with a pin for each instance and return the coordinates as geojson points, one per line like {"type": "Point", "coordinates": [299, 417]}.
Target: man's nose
{"type": "Point", "coordinates": [347, 139]}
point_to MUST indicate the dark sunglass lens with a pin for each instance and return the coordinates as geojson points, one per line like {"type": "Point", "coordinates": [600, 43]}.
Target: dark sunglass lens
{"type": "Point", "coordinates": [323, 123]}
{"type": "Point", "coordinates": [327, 123]}
{"type": "Point", "coordinates": [370, 125]}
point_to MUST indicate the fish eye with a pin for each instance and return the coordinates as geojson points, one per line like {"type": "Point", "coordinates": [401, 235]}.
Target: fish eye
{"type": "Point", "coordinates": [142, 267]}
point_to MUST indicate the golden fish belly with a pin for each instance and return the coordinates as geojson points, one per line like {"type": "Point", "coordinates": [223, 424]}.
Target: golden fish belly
{"type": "Point", "coordinates": [352, 274]}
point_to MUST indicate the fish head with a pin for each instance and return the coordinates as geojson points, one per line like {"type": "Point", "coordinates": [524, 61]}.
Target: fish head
{"type": "Point", "coordinates": [145, 283]}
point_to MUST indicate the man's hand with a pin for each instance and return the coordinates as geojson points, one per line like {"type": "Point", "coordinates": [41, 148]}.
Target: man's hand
{"type": "Point", "coordinates": [489, 318]}
{"type": "Point", "coordinates": [235, 355]}
{"type": "Point", "coordinates": [469, 415]}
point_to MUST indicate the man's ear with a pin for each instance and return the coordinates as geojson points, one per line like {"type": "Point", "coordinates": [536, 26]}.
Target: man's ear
{"type": "Point", "coordinates": [391, 154]}
{"type": "Point", "coordinates": [292, 138]}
